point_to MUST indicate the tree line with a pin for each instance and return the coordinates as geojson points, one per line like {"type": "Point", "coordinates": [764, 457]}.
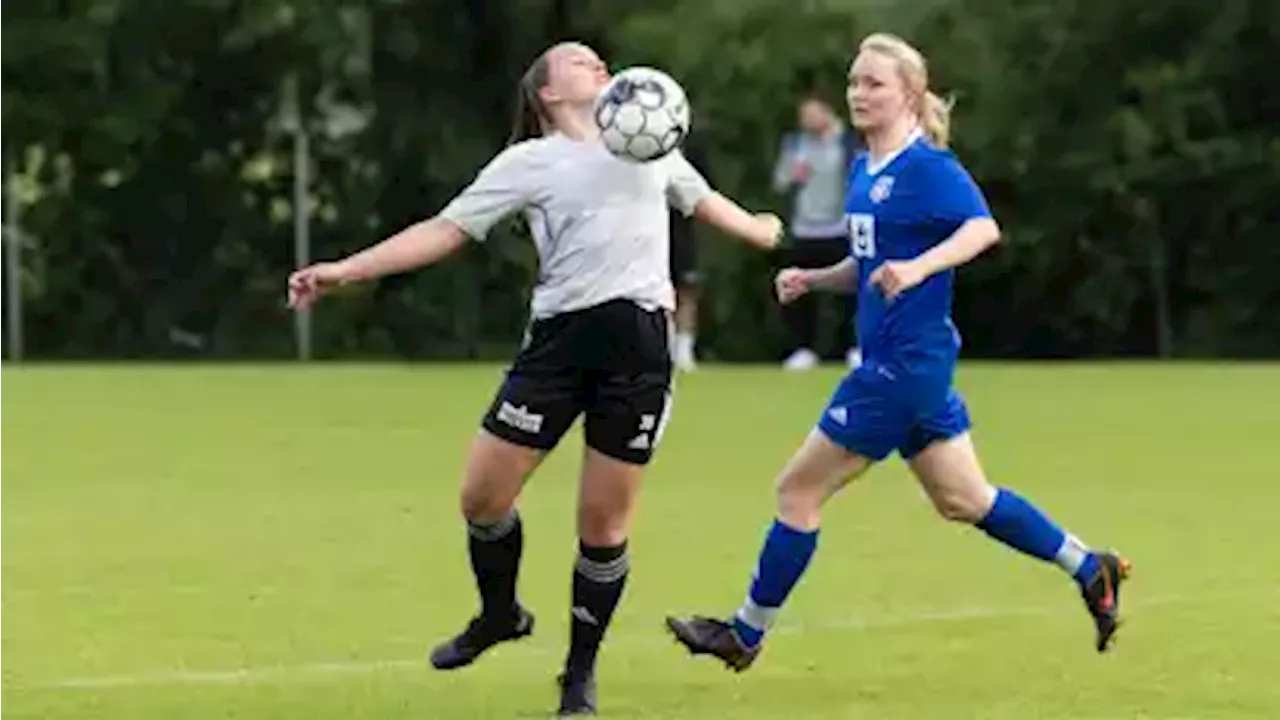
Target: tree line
{"type": "Point", "coordinates": [1131, 151]}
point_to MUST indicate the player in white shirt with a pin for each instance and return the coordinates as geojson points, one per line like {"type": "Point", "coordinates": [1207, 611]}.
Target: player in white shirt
{"type": "Point", "coordinates": [597, 342]}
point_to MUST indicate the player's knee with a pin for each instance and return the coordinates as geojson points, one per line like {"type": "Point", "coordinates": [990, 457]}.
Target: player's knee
{"type": "Point", "coordinates": [799, 502]}
{"type": "Point", "coordinates": [607, 496]}
{"type": "Point", "coordinates": [601, 524]}
{"type": "Point", "coordinates": [960, 506]}
{"type": "Point", "coordinates": [481, 506]}
{"type": "Point", "coordinates": [493, 479]}
{"type": "Point", "coordinates": [816, 472]}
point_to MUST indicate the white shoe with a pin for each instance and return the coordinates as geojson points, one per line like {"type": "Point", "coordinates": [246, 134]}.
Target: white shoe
{"type": "Point", "coordinates": [853, 357]}
{"type": "Point", "coordinates": [686, 363]}
{"type": "Point", "coordinates": [802, 359]}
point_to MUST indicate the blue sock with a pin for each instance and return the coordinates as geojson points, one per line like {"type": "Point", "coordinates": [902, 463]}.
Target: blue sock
{"type": "Point", "coordinates": [1018, 524]}
{"type": "Point", "coordinates": [783, 559]}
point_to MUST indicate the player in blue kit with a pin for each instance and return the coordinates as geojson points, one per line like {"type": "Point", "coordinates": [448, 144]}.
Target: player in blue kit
{"type": "Point", "coordinates": [914, 215]}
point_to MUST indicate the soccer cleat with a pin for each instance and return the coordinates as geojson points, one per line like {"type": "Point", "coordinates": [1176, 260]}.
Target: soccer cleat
{"type": "Point", "coordinates": [481, 634]}
{"type": "Point", "coordinates": [708, 636]}
{"type": "Point", "coordinates": [1102, 596]}
{"type": "Point", "coordinates": [577, 694]}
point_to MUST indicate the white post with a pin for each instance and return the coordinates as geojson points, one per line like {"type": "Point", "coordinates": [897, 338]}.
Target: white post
{"type": "Point", "coordinates": [13, 263]}
{"type": "Point", "coordinates": [301, 208]}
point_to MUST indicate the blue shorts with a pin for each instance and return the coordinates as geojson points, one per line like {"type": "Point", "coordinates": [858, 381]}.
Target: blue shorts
{"type": "Point", "coordinates": [875, 411]}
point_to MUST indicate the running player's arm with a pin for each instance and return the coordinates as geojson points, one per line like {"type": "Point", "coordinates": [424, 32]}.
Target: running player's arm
{"type": "Point", "coordinates": [958, 202]}
{"type": "Point", "coordinates": [497, 191]}
{"type": "Point", "coordinates": [969, 241]}
{"type": "Point", "coordinates": [689, 193]}
{"type": "Point", "coordinates": [841, 277]}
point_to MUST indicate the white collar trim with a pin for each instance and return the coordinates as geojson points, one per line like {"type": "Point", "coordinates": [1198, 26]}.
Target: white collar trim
{"type": "Point", "coordinates": [874, 168]}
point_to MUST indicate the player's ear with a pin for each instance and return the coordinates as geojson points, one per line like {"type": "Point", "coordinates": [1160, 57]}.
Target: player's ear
{"type": "Point", "coordinates": [546, 94]}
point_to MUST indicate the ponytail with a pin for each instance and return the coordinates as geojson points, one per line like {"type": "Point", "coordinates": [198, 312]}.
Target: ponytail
{"type": "Point", "coordinates": [935, 115]}
{"type": "Point", "coordinates": [530, 117]}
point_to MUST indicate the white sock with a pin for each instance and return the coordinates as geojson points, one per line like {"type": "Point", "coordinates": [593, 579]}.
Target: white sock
{"type": "Point", "coordinates": [684, 346]}
{"type": "Point", "coordinates": [1071, 555]}
{"type": "Point", "coordinates": [756, 617]}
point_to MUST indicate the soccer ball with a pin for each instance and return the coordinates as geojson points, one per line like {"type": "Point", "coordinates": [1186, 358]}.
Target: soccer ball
{"type": "Point", "coordinates": [643, 114]}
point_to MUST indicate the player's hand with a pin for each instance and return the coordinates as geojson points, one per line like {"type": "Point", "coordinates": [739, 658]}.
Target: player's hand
{"type": "Point", "coordinates": [895, 278]}
{"type": "Point", "coordinates": [770, 230]}
{"type": "Point", "coordinates": [791, 283]}
{"type": "Point", "coordinates": [314, 281]}
{"type": "Point", "coordinates": [800, 172]}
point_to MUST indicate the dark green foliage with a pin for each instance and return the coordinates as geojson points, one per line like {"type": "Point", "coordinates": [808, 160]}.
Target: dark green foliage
{"type": "Point", "coordinates": [1129, 150]}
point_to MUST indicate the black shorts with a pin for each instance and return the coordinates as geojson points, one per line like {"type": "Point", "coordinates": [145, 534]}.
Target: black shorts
{"type": "Point", "coordinates": [684, 252]}
{"type": "Point", "coordinates": [610, 363]}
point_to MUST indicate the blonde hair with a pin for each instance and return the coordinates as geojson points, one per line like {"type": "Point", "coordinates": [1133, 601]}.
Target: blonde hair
{"type": "Point", "coordinates": [934, 112]}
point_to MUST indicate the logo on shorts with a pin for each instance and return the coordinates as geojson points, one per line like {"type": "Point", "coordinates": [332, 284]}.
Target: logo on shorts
{"type": "Point", "coordinates": [648, 424]}
{"type": "Point", "coordinates": [839, 414]}
{"type": "Point", "coordinates": [520, 418]}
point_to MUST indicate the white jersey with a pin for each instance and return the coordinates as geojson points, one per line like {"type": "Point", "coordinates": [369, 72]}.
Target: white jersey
{"type": "Point", "coordinates": [601, 224]}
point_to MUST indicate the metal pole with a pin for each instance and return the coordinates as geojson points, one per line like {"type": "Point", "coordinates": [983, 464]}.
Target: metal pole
{"type": "Point", "coordinates": [13, 263]}
{"type": "Point", "coordinates": [301, 211]}
{"type": "Point", "coordinates": [4, 245]}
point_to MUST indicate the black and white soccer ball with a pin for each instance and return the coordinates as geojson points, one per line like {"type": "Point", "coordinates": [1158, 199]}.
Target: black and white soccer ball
{"type": "Point", "coordinates": [643, 114]}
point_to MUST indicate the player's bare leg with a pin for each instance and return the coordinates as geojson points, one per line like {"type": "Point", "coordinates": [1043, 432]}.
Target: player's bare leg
{"type": "Point", "coordinates": [816, 472]}
{"type": "Point", "coordinates": [606, 501]}
{"type": "Point", "coordinates": [953, 478]}
{"type": "Point", "coordinates": [494, 476]}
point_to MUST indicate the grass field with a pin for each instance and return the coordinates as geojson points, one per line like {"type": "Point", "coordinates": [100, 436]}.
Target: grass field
{"type": "Point", "coordinates": [258, 542]}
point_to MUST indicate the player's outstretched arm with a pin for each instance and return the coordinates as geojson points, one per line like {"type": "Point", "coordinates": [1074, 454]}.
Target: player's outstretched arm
{"type": "Point", "coordinates": [762, 230]}
{"type": "Point", "coordinates": [416, 246]}
{"type": "Point", "coordinates": [501, 188]}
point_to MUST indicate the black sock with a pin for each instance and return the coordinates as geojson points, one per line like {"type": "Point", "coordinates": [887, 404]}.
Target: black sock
{"type": "Point", "coordinates": [495, 560]}
{"type": "Point", "coordinates": [598, 579]}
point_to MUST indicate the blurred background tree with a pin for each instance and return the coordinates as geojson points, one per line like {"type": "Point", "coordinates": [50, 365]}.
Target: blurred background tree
{"type": "Point", "coordinates": [1130, 150]}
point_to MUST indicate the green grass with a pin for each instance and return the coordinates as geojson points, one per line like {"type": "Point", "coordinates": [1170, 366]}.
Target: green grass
{"type": "Point", "coordinates": [284, 543]}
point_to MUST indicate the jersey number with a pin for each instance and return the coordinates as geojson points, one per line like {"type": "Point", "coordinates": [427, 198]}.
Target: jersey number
{"type": "Point", "coordinates": [862, 230]}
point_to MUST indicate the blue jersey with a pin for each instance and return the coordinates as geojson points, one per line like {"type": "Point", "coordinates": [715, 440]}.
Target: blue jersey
{"type": "Point", "coordinates": [914, 200]}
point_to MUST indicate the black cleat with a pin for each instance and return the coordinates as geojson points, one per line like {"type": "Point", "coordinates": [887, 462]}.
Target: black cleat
{"type": "Point", "coordinates": [481, 634]}
{"type": "Point", "coordinates": [1102, 596]}
{"type": "Point", "coordinates": [577, 695]}
{"type": "Point", "coordinates": [708, 636]}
